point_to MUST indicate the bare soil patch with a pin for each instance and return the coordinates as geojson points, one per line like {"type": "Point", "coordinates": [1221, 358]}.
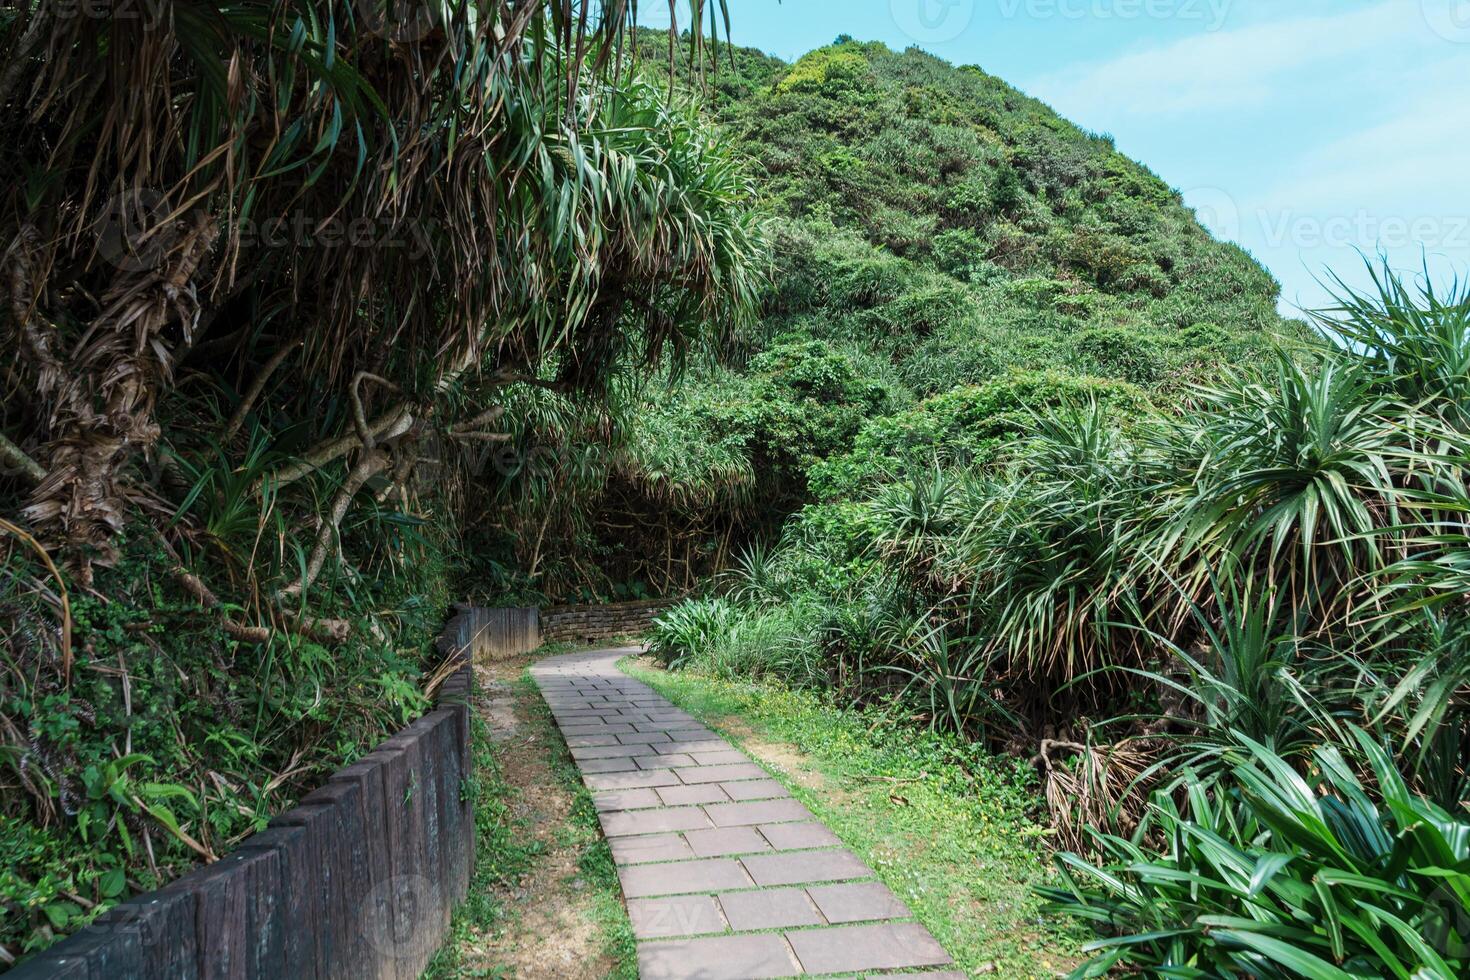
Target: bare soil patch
{"type": "Point", "coordinates": [549, 929]}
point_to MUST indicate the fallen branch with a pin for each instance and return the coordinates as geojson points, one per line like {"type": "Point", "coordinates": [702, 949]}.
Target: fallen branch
{"type": "Point", "coordinates": [194, 585]}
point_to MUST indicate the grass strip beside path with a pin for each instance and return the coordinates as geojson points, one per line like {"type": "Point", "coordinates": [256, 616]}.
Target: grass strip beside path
{"type": "Point", "coordinates": [544, 898]}
{"type": "Point", "coordinates": [946, 825]}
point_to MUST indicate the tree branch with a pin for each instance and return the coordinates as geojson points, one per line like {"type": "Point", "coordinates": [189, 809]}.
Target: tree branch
{"type": "Point", "coordinates": [371, 464]}
{"type": "Point", "coordinates": [14, 456]}
{"type": "Point", "coordinates": [391, 425]}
{"type": "Point", "coordinates": [359, 416]}
{"type": "Point", "coordinates": [237, 421]}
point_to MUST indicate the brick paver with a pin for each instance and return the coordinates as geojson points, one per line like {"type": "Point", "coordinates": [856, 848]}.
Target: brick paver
{"type": "Point", "coordinates": [726, 877]}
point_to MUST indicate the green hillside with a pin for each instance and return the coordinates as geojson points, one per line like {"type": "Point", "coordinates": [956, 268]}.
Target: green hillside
{"type": "Point", "coordinates": [946, 254]}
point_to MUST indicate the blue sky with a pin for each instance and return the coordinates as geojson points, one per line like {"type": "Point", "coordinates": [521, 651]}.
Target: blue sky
{"type": "Point", "coordinates": [1303, 129]}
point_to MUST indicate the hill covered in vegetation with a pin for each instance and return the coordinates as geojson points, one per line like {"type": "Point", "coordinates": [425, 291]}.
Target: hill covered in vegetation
{"type": "Point", "coordinates": [947, 255]}
{"type": "Point", "coordinates": [1031, 459]}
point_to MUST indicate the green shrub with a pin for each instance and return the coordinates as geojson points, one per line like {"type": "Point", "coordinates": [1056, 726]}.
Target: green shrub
{"type": "Point", "coordinates": [689, 630]}
{"type": "Point", "coordinates": [1323, 875]}
{"type": "Point", "coordinates": [1116, 352]}
{"type": "Point", "coordinates": [835, 72]}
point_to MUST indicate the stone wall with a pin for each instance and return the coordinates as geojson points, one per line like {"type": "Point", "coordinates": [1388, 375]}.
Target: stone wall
{"type": "Point", "coordinates": [358, 881]}
{"type": "Point", "coordinates": [594, 624]}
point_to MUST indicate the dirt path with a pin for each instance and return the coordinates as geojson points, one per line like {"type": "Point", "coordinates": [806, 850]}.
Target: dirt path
{"type": "Point", "coordinates": [543, 920]}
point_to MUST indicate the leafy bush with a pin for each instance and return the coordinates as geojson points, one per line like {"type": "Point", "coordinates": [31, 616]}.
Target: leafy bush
{"type": "Point", "coordinates": [1120, 353]}
{"type": "Point", "coordinates": [689, 630]}
{"type": "Point", "coordinates": [1322, 876]}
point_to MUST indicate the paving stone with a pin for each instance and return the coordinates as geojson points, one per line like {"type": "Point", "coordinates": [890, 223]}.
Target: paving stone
{"type": "Point", "coordinates": [772, 908]}
{"type": "Point", "coordinates": [798, 836]}
{"type": "Point", "coordinates": [610, 752]}
{"type": "Point", "coordinates": [678, 732]}
{"type": "Point", "coordinates": [699, 745]}
{"type": "Point", "coordinates": [805, 866]}
{"type": "Point", "coordinates": [643, 738]}
{"type": "Point", "coordinates": [607, 765]}
{"type": "Point", "coordinates": [660, 821]}
{"type": "Point", "coordinates": [683, 915]}
{"type": "Point", "coordinates": [664, 761]}
{"type": "Point", "coordinates": [682, 877]}
{"type": "Point", "coordinates": [650, 848]}
{"type": "Point", "coordinates": [659, 726]}
{"type": "Point", "coordinates": [755, 789]}
{"type": "Point", "coordinates": [882, 947]}
{"type": "Point", "coordinates": [726, 841]}
{"type": "Point", "coordinates": [688, 795]}
{"type": "Point", "coordinates": [718, 958]}
{"type": "Point", "coordinates": [719, 758]}
{"type": "Point", "coordinates": [590, 741]}
{"type": "Point", "coordinates": [630, 780]}
{"type": "Point", "coordinates": [751, 814]}
{"type": "Point", "coordinates": [862, 902]}
{"type": "Point", "coordinates": [626, 799]}
{"type": "Point", "coordinates": [721, 774]}
{"type": "Point", "coordinates": [599, 729]}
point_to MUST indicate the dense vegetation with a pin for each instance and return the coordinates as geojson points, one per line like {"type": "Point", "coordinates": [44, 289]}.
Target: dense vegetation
{"type": "Point", "coordinates": [318, 318]}
{"type": "Point", "coordinates": [947, 254]}
{"type": "Point", "coordinates": [1044, 468]}
{"type": "Point", "coordinates": [280, 278]}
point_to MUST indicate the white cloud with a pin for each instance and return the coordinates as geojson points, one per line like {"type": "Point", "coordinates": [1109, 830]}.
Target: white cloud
{"type": "Point", "coordinates": [1228, 69]}
{"type": "Point", "coordinates": [1417, 153]}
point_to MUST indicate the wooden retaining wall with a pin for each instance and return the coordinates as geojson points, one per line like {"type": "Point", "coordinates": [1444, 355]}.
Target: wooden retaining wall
{"type": "Point", "coordinates": [358, 881]}
{"type": "Point", "coordinates": [497, 633]}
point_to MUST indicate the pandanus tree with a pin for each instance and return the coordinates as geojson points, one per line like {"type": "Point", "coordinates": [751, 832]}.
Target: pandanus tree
{"type": "Point", "coordinates": [414, 207]}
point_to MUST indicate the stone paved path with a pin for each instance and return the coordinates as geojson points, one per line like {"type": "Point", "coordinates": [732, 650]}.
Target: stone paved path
{"type": "Point", "coordinates": [725, 875]}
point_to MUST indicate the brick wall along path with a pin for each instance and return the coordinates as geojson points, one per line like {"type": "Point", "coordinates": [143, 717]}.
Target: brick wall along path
{"type": "Point", "coordinates": [726, 876]}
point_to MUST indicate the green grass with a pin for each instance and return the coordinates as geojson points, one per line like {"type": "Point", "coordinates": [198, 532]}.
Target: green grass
{"type": "Point", "coordinates": [507, 849]}
{"type": "Point", "coordinates": [948, 826]}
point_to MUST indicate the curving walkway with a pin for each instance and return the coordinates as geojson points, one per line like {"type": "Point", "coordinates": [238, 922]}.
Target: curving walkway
{"type": "Point", "coordinates": [725, 876]}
